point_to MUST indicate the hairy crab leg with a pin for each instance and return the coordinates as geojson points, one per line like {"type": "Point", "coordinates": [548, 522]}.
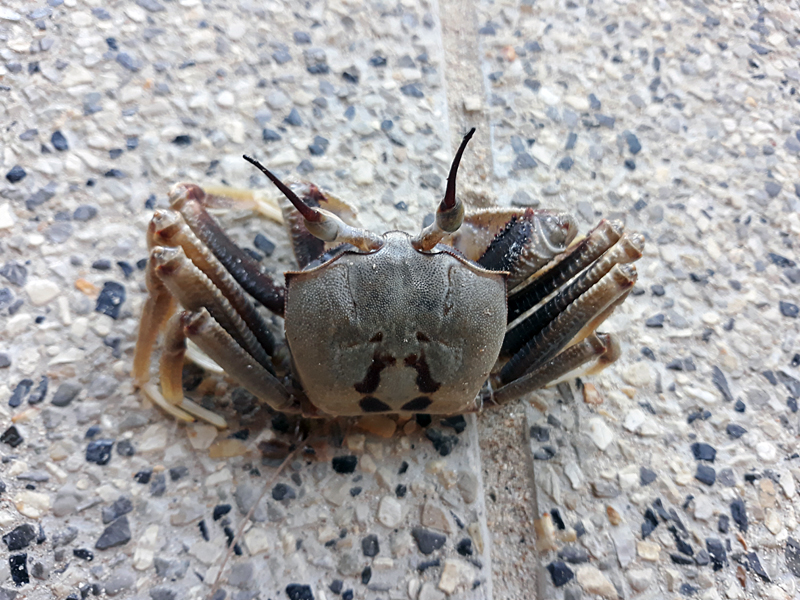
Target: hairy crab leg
{"type": "Point", "coordinates": [188, 200]}
{"type": "Point", "coordinates": [171, 230]}
{"type": "Point", "coordinates": [602, 347]}
{"type": "Point", "coordinates": [203, 330]}
{"type": "Point", "coordinates": [561, 330]}
{"type": "Point", "coordinates": [564, 268]}
{"type": "Point", "coordinates": [194, 291]}
{"type": "Point", "coordinates": [628, 249]}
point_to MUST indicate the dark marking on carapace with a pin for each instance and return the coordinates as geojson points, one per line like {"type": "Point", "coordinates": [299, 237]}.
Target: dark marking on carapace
{"type": "Point", "coordinates": [505, 249]}
{"type": "Point", "coordinates": [370, 404]}
{"type": "Point", "coordinates": [417, 404]}
{"type": "Point", "coordinates": [425, 382]}
{"type": "Point", "coordinates": [378, 337]}
{"type": "Point", "coordinates": [421, 337]}
{"type": "Point", "coordinates": [372, 379]}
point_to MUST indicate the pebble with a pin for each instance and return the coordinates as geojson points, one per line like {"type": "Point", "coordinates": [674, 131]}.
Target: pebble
{"type": "Point", "coordinates": [99, 451]}
{"type": "Point", "coordinates": [59, 141]}
{"type": "Point", "coordinates": [427, 541]}
{"type": "Point", "coordinates": [16, 174]}
{"type": "Point", "coordinates": [32, 504]}
{"type": "Point", "coordinates": [117, 533]}
{"type": "Point", "coordinates": [789, 309]}
{"type": "Point", "coordinates": [110, 300]}
{"type": "Point", "coordinates": [766, 451]}
{"type": "Point", "coordinates": [600, 433]}
{"type": "Point", "coordinates": [12, 436]}
{"type": "Point", "coordinates": [706, 474]}
{"type": "Point", "coordinates": [20, 537]}
{"type": "Point", "coordinates": [344, 464]}
{"type": "Point", "coordinates": [703, 451]}
{"type": "Point", "coordinates": [389, 512]}
{"type": "Point", "coordinates": [594, 582]}
{"type": "Point", "coordinates": [42, 291]}
{"type": "Point", "coordinates": [65, 394]}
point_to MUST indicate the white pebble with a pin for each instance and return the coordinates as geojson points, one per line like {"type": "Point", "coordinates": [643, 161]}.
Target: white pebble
{"type": "Point", "coordinates": [634, 420]}
{"type": "Point", "coordinates": [226, 99]}
{"type": "Point", "coordinates": [41, 291]}
{"type": "Point", "coordinates": [600, 433]}
{"type": "Point", "coordinates": [766, 451]}
{"type": "Point", "coordinates": [363, 173]}
{"type": "Point", "coordinates": [390, 512]}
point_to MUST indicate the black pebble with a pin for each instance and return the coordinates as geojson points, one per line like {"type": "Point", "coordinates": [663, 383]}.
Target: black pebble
{"type": "Point", "coordinates": [20, 537]}
{"type": "Point", "coordinates": [377, 61]}
{"type": "Point", "coordinates": [458, 422]}
{"type": "Point", "coordinates": [792, 404]}
{"type": "Point", "coordinates": [702, 558]}
{"type": "Point", "coordinates": [735, 431]}
{"type": "Point", "coordinates": [401, 490]}
{"type": "Point", "coordinates": [755, 564]}
{"type": "Point", "coordinates": [655, 321]}
{"type": "Point", "coordinates": [633, 142]}
{"type": "Point", "coordinates": [83, 553]}
{"type": "Point", "coordinates": [293, 118]}
{"type": "Point", "coordinates": [92, 432]}
{"type": "Point", "coordinates": [19, 569]}
{"type": "Point", "coordinates": [706, 474]}
{"type": "Point", "coordinates": [20, 392]}
{"type": "Point", "coordinates": [739, 406]}
{"type": "Point", "coordinates": [347, 595]}
{"type": "Point", "coordinates": [281, 424]}
{"type": "Point", "coordinates": [262, 243]}
{"type": "Point", "coordinates": [703, 451]}
{"type": "Point", "coordinates": [121, 506]}
{"type": "Point", "coordinates": [344, 464]}
{"type": "Point", "coordinates": [649, 524]}
{"type": "Point", "coordinates": [681, 559]}
{"type": "Point", "coordinates": [143, 477]}
{"type": "Point", "coordinates": [111, 298]}
{"type": "Point", "coordinates": [648, 353]}
{"type": "Point", "coordinates": [403, 468]}
{"type": "Point", "coordinates": [370, 546]}
{"type": "Point", "coordinates": [716, 550]}
{"type": "Point", "coordinates": [366, 575]}
{"type": "Point", "coordinates": [355, 491]}
{"type": "Point", "coordinates": [59, 141]}
{"type": "Point", "coordinates": [427, 541]}
{"type": "Point", "coordinates": [296, 591]}
{"type": "Point", "coordinates": [158, 485]}
{"type": "Point", "coordinates": [421, 419]}
{"type": "Point", "coordinates": [721, 383]}
{"type": "Point", "coordinates": [560, 573]}
{"type": "Point", "coordinates": [411, 90]}
{"type": "Point", "coordinates": [116, 534]}
{"type": "Point", "coordinates": [646, 476]}
{"type": "Point", "coordinates": [657, 290]}
{"type": "Point", "coordinates": [789, 310]}
{"type": "Point", "coordinates": [282, 491]}
{"type": "Point", "coordinates": [724, 524]}
{"type": "Point", "coordinates": [182, 140]}
{"type": "Point", "coordinates": [539, 433]}
{"type": "Point", "coordinates": [336, 586]}
{"type": "Point", "coordinates": [270, 135]}
{"type": "Point", "coordinates": [220, 510]}
{"type": "Point", "coordinates": [203, 529]}
{"type": "Point", "coordinates": [16, 174]}
{"type": "Point", "coordinates": [739, 514]}
{"type": "Point", "coordinates": [99, 451]}
{"type": "Point", "coordinates": [443, 443]}
{"type": "Point", "coordinates": [557, 520]}
{"type": "Point", "coordinates": [565, 164]}
{"type": "Point", "coordinates": [464, 547]}
{"type": "Point", "coordinates": [125, 448]}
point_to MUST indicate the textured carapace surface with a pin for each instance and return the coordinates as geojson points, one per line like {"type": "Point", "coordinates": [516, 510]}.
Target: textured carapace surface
{"type": "Point", "coordinates": [395, 330]}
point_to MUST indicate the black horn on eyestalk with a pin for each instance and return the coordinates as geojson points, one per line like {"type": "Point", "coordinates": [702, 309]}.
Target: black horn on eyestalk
{"type": "Point", "coordinates": [450, 213]}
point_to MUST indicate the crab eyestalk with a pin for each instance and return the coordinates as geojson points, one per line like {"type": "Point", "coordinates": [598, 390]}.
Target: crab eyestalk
{"type": "Point", "coordinates": [450, 213]}
{"type": "Point", "coordinates": [321, 223]}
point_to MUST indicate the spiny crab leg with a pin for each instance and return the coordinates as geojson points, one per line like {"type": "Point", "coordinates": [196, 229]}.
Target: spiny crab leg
{"type": "Point", "coordinates": [628, 249]}
{"type": "Point", "coordinates": [194, 290]}
{"type": "Point", "coordinates": [603, 347]}
{"type": "Point", "coordinates": [212, 339]}
{"type": "Point", "coordinates": [592, 304]}
{"type": "Point", "coordinates": [564, 268]}
{"type": "Point", "coordinates": [171, 230]}
{"type": "Point", "coordinates": [188, 199]}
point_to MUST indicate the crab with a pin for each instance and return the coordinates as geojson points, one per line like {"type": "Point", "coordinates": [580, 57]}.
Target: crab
{"type": "Point", "coordinates": [479, 308]}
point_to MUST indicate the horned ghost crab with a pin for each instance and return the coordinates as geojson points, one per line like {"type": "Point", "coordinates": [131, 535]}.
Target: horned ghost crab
{"type": "Point", "coordinates": [477, 308]}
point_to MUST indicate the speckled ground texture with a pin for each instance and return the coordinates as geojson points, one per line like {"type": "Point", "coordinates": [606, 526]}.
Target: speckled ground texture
{"type": "Point", "coordinates": [671, 474]}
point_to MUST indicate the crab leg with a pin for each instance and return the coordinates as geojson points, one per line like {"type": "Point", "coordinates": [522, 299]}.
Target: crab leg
{"type": "Point", "coordinates": [171, 230]}
{"type": "Point", "coordinates": [628, 249]}
{"type": "Point", "coordinates": [171, 365]}
{"type": "Point", "coordinates": [194, 291]}
{"type": "Point", "coordinates": [564, 268]}
{"type": "Point", "coordinates": [188, 200]}
{"type": "Point", "coordinates": [158, 307]}
{"type": "Point", "coordinates": [604, 347]}
{"type": "Point", "coordinates": [590, 307]}
{"type": "Point", "coordinates": [203, 330]}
